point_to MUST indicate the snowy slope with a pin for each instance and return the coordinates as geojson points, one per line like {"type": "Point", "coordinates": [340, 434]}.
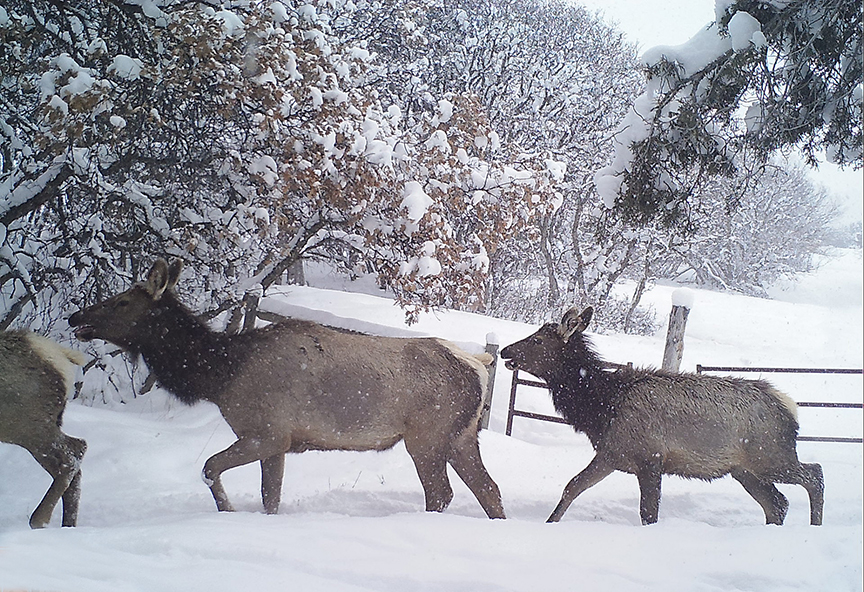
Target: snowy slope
{"type": "Point", "coordinates": [355, 521]}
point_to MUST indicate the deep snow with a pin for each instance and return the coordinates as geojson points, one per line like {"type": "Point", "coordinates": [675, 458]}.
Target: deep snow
{"type": "Point", "coordinates": [354, 521]}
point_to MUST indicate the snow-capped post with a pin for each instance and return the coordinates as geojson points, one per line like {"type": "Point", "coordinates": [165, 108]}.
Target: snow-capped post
{"type": "Point", "coordinates": [682, 302]}
{"type": "Point", "coordinates": [492, 349]}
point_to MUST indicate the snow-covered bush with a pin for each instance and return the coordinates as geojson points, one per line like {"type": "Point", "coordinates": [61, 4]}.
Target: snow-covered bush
{"type": "Point", "coordinates": [772, 231]}
{"type": "Point", "coordinates": [241, 140]}
{"type": "Point", "coordinates": [553, 94]}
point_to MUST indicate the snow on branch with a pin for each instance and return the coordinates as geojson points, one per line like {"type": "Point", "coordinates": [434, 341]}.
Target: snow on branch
{"type": "Point", "coordinates": [747, 85]}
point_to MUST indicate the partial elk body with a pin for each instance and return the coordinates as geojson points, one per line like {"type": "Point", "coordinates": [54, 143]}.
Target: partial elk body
{"type": "Point", "coordinates": [297, 386]}
{"type": "Point", "coordinates": [36, 374]}
{"type": "Point", "coordinates": [651, 423]}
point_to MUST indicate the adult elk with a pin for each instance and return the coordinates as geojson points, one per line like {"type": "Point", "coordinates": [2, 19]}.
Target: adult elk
{"type": "Point", "coordinates": [297, 386]}
{"type": "Point", "coordinates": [35, 376]}
{"type": "Point", "coordinates": [652, 423]}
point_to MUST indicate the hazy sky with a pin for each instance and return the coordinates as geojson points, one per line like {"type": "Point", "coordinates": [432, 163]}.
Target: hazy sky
{"type": "Point", "coordinates": [672, 22]}
{"type": "Point", "coordinates": [656, 22]}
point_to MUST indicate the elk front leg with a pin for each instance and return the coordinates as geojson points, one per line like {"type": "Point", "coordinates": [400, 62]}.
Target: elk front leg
{"type": "Point", "coordinates": [242, 452]}
{"type": "Point", "coordinates": [212, 477]}
{"type": "Point", "coordinates": [649, 479]}
{"type": "Point", "coordinates": [596, 471]}
{"type": "Point", "coordinates": [272, 472]}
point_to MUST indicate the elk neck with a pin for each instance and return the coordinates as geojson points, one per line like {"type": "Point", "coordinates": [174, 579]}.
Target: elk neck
{"type": "Point", "coordinates": [584, 393]}
{"type": "Point", "coordinates": [189, 359]}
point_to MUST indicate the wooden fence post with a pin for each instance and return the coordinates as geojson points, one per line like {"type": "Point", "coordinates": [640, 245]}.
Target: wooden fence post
{"type": "Point", "coordinates": [491, 348]}
{"type": "Point", "coordinates": [682, 302]}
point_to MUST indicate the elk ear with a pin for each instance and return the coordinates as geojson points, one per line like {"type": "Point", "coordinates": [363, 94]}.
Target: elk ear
{"type": "Point", "coordinates": [157, 279]}
{"type": "Point", "coordinates": [174, 270]}
{"type": "Point", "coordinates": [585, 319]}
{"type": "Point", "coordinates": [574, 322]}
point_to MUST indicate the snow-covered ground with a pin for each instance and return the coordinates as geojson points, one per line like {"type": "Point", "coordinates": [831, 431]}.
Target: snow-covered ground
{"type": "Point", "coordinates": [355, 521]}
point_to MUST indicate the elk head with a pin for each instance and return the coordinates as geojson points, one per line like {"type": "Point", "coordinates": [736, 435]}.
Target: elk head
{"type": "Point", "coordinates": [545, 351]}
{"type": "Point", "coordinates": [118, 319]}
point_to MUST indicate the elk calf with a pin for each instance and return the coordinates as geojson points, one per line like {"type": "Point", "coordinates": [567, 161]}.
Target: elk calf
{"type": "Point", "coordinates": [35, 376]}
{"type": "Point", "coordinates": [297, 386]}
{"type": "Point", "coordinates": [651, 423]}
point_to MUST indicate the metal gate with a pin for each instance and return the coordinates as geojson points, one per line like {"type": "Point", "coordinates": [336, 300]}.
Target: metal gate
{"type": "Point", "coordinates": [517, 381]}
{"type": "Point", "coordinates": [825, 405]}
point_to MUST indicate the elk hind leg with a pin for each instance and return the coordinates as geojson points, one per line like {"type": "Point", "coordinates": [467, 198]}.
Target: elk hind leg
{"type": "Point", "coordinates": [809, 476]}
{"type": "Point", "coordinates": [431, 464]}
{"type": "Point", "coordinates": [814, 483]}
{"type": "Point", "coordinates": [773, 503]}
{"type": "Point", "coordinates": [649, 479]}
{"type": "Point", "coordinates": [466, 461]}
{"type": "Point", "coordinates": [59, 460]}
{"type": "Point", "coordinates": [72, 495]}
{"type": "Point", "coordinates": [71, 501]}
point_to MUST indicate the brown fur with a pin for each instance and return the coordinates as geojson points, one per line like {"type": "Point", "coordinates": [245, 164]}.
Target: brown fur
{"type": "Point", "coordinates": [651, 423]}
{"type": "Point", "coordinates": [298, 385]}
{"type": "Point", "coordinates": [35, 376]}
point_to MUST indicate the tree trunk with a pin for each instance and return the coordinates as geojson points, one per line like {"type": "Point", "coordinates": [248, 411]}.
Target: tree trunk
{"type": "Point", "coordinates": [296, 274]}
{"type": "Point", "coordinates": [250, 308]}
{"type": "Point", "coordinates": [637, 294]}
{"type": "Point", "coordinates": [235, 321]}
{"type": "Point", "coordinates": [554, 291]}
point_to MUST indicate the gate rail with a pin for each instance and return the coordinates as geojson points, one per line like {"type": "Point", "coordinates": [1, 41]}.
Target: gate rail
{"type": "Point", "coordinates": [516, 381]}
{"type": "Point", "coordinates": [821, 404]}
{"type": "Point", "coordinates": [513, 412]}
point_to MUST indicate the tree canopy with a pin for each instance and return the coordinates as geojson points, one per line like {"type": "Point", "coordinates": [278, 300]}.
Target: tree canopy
{"type": "Point", "coordinates": [766, 76]}
{"type": "Point", "coordinates": [445, 147]}
{"type": "Point", "coordinates": [241, 140]}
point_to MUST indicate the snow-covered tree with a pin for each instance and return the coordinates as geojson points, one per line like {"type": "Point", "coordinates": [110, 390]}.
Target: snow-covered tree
{"type": "Point", "coordinates": [773, 232]}
{"type": "Point", "coordinates": [241, 140]}
{"type": "Point", "coordinates": [554, 80]}
{"type": "Point", "coordinates": [767, 75]}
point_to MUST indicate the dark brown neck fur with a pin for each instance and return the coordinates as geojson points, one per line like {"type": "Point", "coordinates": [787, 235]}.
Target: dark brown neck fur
{"type": "Point", "coordinates": [583, 392]}
{"type": "Point", "coordinates": [189, 360]}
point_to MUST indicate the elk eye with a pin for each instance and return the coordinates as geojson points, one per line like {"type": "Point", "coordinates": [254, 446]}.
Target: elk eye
{"type": "Point", "coordinates": [122, 303]}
